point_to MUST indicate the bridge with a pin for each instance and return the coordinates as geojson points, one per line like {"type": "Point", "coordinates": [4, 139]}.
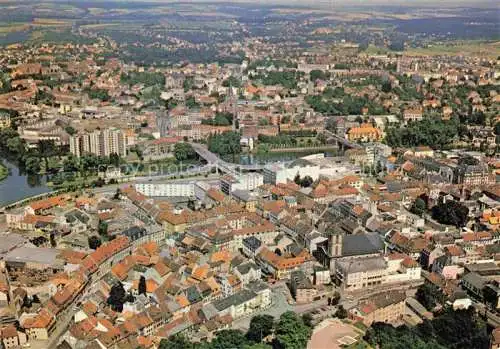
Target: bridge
{"type": "Point", "coordinates": [342, 142]}
{"type": "Point", "coordinates": [215, 161]}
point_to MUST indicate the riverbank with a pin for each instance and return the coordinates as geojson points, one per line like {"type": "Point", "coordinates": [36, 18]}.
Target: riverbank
{"type": "Point", "coordinates": [4, 172]}
{"type": "Point", "coordinates": [304, 149]}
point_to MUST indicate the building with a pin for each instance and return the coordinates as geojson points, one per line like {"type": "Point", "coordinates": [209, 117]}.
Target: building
{"type": "Point", "coordinates": [388, 307]}
{"type": "Point", "coordinates": [243, 303]}
{"type": "Point", "coordinates": [364, 133]}
{"type": "Point", "coordinates": [301, 287]}
{"type": "Point", "coordinates": [313, 166]}
{"type": "Point", "coordinates": [473, 175]}
{"type": "Point", "coordinates": [413, 114]}
{"type": "Point", "coordinates": [249, 181]}
{"type": "Point", "coordinates": [166, 189]}
{"type": "Point", "coordinates": [359, 273]}
{"type": "Point", "coordinates": [99, 142]}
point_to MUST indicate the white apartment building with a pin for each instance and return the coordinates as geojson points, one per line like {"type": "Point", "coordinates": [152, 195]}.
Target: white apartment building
{"type": "Point", "coordinates": [249, 181]}
{"type": "Point", "coordinates": [99, 142]}
{"type": "Point", "coordinates": [280, 173]}
{"type": "Point", "coordinates": [166, 189]}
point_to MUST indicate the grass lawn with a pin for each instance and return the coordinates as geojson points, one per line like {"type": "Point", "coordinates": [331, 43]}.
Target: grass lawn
{"type": "Point", "coordinates": [4, 172]}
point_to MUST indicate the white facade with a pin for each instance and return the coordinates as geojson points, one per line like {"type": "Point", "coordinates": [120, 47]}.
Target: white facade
{"type": "Point", "coordinates": [279, 173]}
{"type": "Point", "coordinates": [166, 189]}
{"type": "Point", "coordinates": [100, 142]}
{"type": "Point", "coordinates": [249, 181]}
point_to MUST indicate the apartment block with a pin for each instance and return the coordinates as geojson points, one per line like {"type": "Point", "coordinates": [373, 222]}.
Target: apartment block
{"type": "Point", "coordinates": [99, 142]}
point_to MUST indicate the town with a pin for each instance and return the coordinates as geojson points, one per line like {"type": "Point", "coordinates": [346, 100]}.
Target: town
{"type": "Point", "coordinates": [248, 192]}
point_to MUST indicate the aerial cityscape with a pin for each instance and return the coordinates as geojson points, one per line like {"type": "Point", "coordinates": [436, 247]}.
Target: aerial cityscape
{"type": "Point", "coordinates": [249, 175]}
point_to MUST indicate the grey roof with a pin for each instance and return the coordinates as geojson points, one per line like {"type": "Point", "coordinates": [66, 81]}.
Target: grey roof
{"type": "Point", "coordinates": [360, 244]}
{"type": "Point", "coordinates": [300, 280]}
{"type": "Point", "coordinates": [10, 241]}
{"type": "Point", "coordinates": [252, 243]}
{"type": "Point", "coordinates": [257, 286]}
{"type": "Point", "coordinates": [362, 264]}
{"type": "Point", "coordinates": [238, 298]}
{"type": "Point", "coordinates": [39, 255]}
{"type": "Point", "coordinates": [475, 280]}
{"type": "Point", "coordinates": [245, 268]}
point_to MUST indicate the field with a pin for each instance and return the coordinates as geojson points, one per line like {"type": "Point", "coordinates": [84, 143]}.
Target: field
{"type": "Point", "coordinates": [13, 27]}
{"type": "Point", "coordinates": [4, 172]}
{"type": "Point", "coordinates": [466, 48]}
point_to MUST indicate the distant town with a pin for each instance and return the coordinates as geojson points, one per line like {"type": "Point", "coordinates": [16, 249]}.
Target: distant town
{"type": "Point", "coordinates": [300, 180]}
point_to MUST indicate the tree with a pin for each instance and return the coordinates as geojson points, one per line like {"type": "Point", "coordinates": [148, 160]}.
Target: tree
{"type": "Point", "coordinates": [308, 319]}
{"type": "Point", "coordinates": [32, 165]}
{"type": "Point", "coordinates": [261, 326]}
{"type": "Point", "coordinates": [177, 341]}
{"type": "Point", "coordinates": [191, 103]}
{"type": "Point", "coordinates": [231, 82]}
{"type": "Point", "coordinates": [318, 74]}
{"type": "Point", "coordinates": [70, 130]}
{"type": "Point", "coordinates": [229, 339]}
{"type": "Point", "coordinates": [497, 128]}
{"type": "Point", "coordinates": [224, 143]}
{"type": "Point", "coordinates": [102, 228]}
{"type": "Point", "coordinates": [335, 298]}
{"type": "Point", "coordinates": [291, 332]}
{"type": "Point", "coordinates": [297, 179]}
{"type": "Point", "coordinates": [341, 312]}
{"type": "Point", "coordinates": [419, 207]}
{"type": "Point", "coordinates": [114, 159]}
{"type": "Point", "coordinates": [460, 329]}
{"type": "Point", "coordinates": [94, 242]}
{"type": "Point", "coordinates": [386, 86]}
{"type": "Point", "coordinates": [142, 285]}
{"type": "Point", "coordinates": [117, 194]}
{"type": "Point", "coordinates": [184, 151]}
{"type": "Point", "coordinates": [451, 212]}
{"type": "Point", "coordinates": [429, 296]}
{"type": "Point", "coordinates": [306, 182]}
{"type": "Point", "coordinates": [117, 297]}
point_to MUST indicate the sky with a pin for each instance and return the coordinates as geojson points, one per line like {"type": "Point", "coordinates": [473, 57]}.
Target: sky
{"type": "Point", "coordinates": [323, 3]}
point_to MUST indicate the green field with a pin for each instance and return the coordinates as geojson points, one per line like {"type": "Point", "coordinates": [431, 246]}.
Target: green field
{"type": "Point", "coordinates": [4, 172]}
{"type": "Point", "coordinates": [466, 48]}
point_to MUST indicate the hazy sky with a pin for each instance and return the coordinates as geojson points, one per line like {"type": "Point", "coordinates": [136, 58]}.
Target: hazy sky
{"type": "Point", "coordinates": [322, 3]}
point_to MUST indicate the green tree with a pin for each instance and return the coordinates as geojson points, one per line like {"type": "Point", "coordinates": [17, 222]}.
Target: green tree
{"type": "Point", "coordinates": [386, 86]}
{"type": "Point", "coordinates": [102, 228]}
{"type": "Point", "coordinates": [94, 242]}
{"type": "Point", "coordinates": [451, 212]}
{"type": "Point", "coordinates": [318, 75]}
{"type": "Point", "coordinates": [177, 341]}
{"type": "Point", "coordinates": [341, 312]}
{"type": "Point", "coordinates": [142, 285]}
{"type": "Point", "coordinates": [419, 207]}
{"type": "Point", "coordinates": [191, 103]}
{"type": "Point", "coordinates": [291, 332]}
{"type": "Point", "coordinates": [429, 296]}
{"type": "Point", "coordinates": [231, 81]}
{"type": "Point", "coordinates": [306, 182]}
{"type": "Point", "coordinates": [184, 151]}
{"type": "Point", "coordinates": [229, 339]}
{"type": "Point", "coordinates": [224, 143]}
{"type": "Point", "coordinates": [32, 165]}
{"type": "Point", "coordinates": [70, 130]}
{"type": "Point", "coordinates": [117, 297]}
{"type": "Point", "coordinates": [261, 326]}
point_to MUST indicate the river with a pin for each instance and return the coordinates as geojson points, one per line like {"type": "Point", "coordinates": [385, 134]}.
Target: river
{"type": "Point", "coordinates": [18, 186]}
